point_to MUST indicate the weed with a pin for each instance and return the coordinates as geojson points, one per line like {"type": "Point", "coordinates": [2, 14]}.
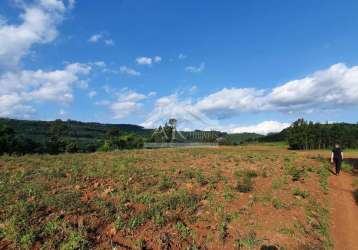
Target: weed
{"type": "Point", "coordinates": [228, 194]}
{"type": "Point", "coordinates": [183, 230]}
{"type": "Point", "coordinates": [223, 227]}
{"type": "Point", "coordinates": [287, 231]}
{"type": "Point", "coordinates": [201, 179]}
{"type": "Point", "coordinates": [244, 184]}
{"type": "Point", "coordinates": [75, 240]}
{"type": "Point", "coordinates": [297, 192]}
{"type": "Point", "coordinates": [249, 241]}
{"type": "Point", "coordinates": [295, 172]}
{"type": "Point", "coordinates": [166, 183]}
{"type": "Point", "coordinates": [277, 203]}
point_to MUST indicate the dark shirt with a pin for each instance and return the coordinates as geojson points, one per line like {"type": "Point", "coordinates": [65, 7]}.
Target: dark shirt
{"type": "Point", "coordinates": [337, 154]}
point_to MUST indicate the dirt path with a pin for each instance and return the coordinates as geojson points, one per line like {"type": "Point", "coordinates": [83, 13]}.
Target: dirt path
{"type": "Point", "coordinates": [344, 213]}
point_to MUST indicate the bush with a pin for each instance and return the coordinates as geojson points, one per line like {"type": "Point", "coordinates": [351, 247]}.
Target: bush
{"type": "Point", "coordinates": [122, 142]}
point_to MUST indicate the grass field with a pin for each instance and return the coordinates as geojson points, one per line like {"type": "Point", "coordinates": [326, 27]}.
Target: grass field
{"type": "Point", "coordinates": [202, 198]}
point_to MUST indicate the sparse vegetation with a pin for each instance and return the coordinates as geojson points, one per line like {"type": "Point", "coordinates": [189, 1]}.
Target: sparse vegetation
{"type": "Point", "coordinates": [192, 198]}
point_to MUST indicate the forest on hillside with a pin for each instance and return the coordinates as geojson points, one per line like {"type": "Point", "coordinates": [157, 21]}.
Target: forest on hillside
{"type": "Point", "coordinates": [54, 137]}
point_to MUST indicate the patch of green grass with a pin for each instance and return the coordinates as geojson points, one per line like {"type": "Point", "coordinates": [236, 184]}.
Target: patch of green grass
{"type": "Point", "coordinates": [302, 193]}
{"type": "Point", "coordinates": [347, 167]}
{"type": "Point", "coordinates": [75, 240]}
{"type": "Point", "coordinates": [249, 241]}
{"type": "Point", "coordinates": [228, 194]}
{"type": "Point", "coordinates": [165, 183]}
{"type": "Point", "coordinates": [323, 173]}
{"type": "Point", "coordinates": [277, 203]}
{"type": "Point", "coordinates": [295, 172]}
{"type": "Point", "coordinates": [196, 174]}
{"type": "Point", "coordinates": [183, 230]}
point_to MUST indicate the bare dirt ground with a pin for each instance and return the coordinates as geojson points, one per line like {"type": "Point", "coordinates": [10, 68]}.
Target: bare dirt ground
{"type": "Point", "coordinates": [344, 213]}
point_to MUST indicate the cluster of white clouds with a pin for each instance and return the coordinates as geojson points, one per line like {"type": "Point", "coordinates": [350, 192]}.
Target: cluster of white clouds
{"type": "Point", "coordinates": [38, 25]}
{"type": "Point", "coordinates": [148, 60]}
{"type": "Point", "coordinates": [18, 88]}
{"type": "Point", "coordinates": [96, 38]}
{"type": "Point", "coordinates": [262, 128]}
{"type": "Point", "coordinates": [127, 102]}
{"type": "Point", "coordinates": [129, 71]}
{"type": "Point", "coordinates": [39, 21]}
{"type": "Point", "coordinates": [334, 87]}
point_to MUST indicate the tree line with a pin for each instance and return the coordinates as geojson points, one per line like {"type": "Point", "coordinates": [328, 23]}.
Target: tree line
{"type": "Point", "coordinates": [307, 135]}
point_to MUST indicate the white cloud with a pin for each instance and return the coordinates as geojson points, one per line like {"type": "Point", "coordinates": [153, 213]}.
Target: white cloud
{"type": "Point", "coordinates": [124, 109]}
{"type": "Point", "coordinates": [196, 69]}
{"type": "Point", "coordinates": [172, 107]}
{"type": "Point", "coordinates": [38, 25]}
{"type": "Point", "coordinates": [19, 88]}
{"type": "Point", "coordinates": [127, 103]}
{"type": "Point", "coordinates": [230, 102]}
{"type": "Point", "coordinates": [144, 60]}
{"type": "Point", "coordinates": [131, 96]}
{"type": "Point", "coordinates": [128, 71]}
{"type": "Point", "coordinates": [262, 128]}
{"type": "Point", "coordinates": [148, 60]}
{"type": "Point", "coordinates": [331, 88]}
{"type": "Point", "coordinates": [92, 94]}
{"type": "Point", "coordinates": [95, 38]}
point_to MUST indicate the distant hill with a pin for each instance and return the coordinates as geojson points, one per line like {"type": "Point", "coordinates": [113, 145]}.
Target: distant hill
{"type": "Point", "coordinates": [92, 132]}
{"type": "Point", "coordinates": [86, 132]}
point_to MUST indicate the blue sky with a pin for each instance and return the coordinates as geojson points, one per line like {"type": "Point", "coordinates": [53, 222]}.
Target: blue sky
{"type": "Point", "coordinates": [233, 65]}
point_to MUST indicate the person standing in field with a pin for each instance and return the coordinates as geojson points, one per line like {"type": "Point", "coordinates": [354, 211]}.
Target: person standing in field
{"type": "Point", "coordinates": [337, 158]}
